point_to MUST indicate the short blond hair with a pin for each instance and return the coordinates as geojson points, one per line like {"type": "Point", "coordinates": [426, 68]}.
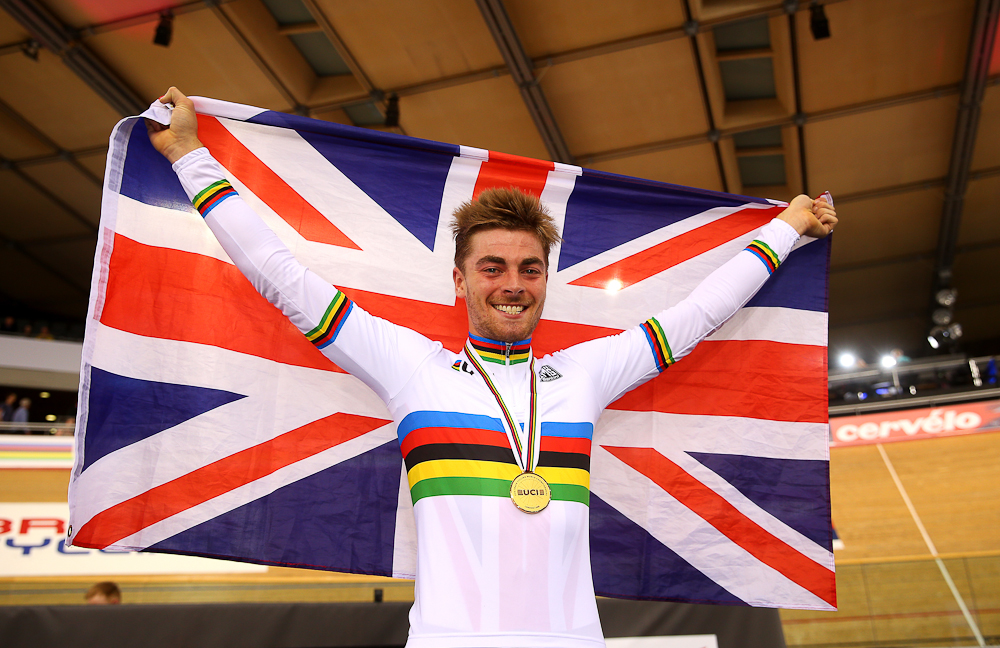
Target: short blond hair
{"type": "Point", "coordinates": [502, 208]}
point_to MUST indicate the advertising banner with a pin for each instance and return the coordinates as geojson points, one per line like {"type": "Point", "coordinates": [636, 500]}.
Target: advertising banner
{"type": "Point", "coordinates": [33, 543]}
{"type": "Point", "coordinates": [902, 425]}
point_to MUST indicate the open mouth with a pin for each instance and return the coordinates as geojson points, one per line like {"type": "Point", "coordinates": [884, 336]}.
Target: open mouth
{"type": "Point", "coordinates": [510, 309]}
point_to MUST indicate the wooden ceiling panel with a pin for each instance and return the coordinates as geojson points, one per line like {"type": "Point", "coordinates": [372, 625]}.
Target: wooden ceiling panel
{"type": "Point", "coordinates": [691, 166]}
{"type": "Point", "coordinates": [979, 216]}
{"type": "Point", "coordinates": [27, 214]}
{"type": "Point", "coordinates": [71, 186]}
{"type": "Point", "coordinates": [886, 292]}
{"type": "Point", "coordinates": [882, 49]}
{"type": "Point", "coordinates": [881, 148]}
{"type": "Point", "coordinates": [557, 26]}
{"type": "Point", "coordinates": [978, 322]}
{"type": "Point", "coordinates": [399, 43]}
{"type": "Point", "coordinates": [971, 267]}
{"type": "Point", "coordinates": [203, 59]}
{"type": "Point", "coordinates": [11, 31]}
{"type": "Point", "coordinates": [887, 226]}
{"type": "Point", "coordinates": [987, 151]}
{"type": "Point", "coordinates": [31, 284]}
{"type": "Point", "coordinates": [871, 340]}
{"type": "Point", "coordinates": [637, 96]}
{"type": "Point", "coordinates": [16, 142]}
{"type": "Point", "coordinates": [487, 114]}
{"type": "Point", "coordinates": [56, 101]}
{"type": "Point", "coordinates": [95, 162]}
{"type": "Point", "coordinates": [74, 259]}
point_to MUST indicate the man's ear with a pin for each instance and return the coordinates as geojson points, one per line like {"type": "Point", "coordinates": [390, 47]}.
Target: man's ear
{"type": "Point", "coordinates": [459, 279]}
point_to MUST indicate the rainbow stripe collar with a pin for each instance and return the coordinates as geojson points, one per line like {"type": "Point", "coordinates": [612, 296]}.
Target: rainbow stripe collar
{"type": "Point", "coordinates": [498, 352]}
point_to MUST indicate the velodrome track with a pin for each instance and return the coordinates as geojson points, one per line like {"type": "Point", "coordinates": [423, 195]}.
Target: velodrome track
{"type": "Point", "coordinates": [891, 590]}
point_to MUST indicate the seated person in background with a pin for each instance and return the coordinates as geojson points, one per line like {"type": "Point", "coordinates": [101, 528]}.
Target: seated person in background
{"type": "Point", "coordinates": [104, 593]}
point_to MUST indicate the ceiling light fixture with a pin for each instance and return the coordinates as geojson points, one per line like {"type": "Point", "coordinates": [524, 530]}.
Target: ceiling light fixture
{"type": "Point", "coordinates": [164, 29]}
{"type": "Point", "coordinates": [847, 360]}
{"type": "Point", "coordinates": [392, 111]}
{"type": "Point", "coordinates": [818, 23]}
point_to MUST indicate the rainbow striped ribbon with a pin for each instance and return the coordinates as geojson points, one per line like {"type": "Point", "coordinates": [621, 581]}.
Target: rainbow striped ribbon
{"type": "Point", "coordinates": [525, 460]}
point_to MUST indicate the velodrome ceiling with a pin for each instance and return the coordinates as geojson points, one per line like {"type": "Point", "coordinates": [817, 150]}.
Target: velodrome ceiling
{"type": "Point", "coordinates": [895, 113]}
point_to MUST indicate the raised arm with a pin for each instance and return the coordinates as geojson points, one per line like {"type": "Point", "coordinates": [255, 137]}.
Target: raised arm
{"type": "Point", "coordinates": [378, 352]}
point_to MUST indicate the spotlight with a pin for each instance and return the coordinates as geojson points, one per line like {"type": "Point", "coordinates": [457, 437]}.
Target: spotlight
{"type": "Point", "coordinates": [164, 29]}
{"type": "Point", "coordinates": [946, 297]}
{"type": "Point", "coordinates": [941, 334]}
{"type": "Point", "coordinates": [818, 23]}
{"type": "Point", "coordinates": [30, 49]}
{"type": "Point", "coordinates": [392, 110]}
{"type": "Point", "coordinates": [888, 361]}
{"type": "Point", "coordinates": [847, 360]}
{"type": "Point", "coordinates": [941, 316]}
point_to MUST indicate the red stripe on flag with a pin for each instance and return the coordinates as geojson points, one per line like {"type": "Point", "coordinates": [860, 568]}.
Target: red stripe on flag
{"type": "Point", "coordinates": [750, 378]}
{"type": "Point", "coordinates": [218, 478]}
{"type": "Point", "coordinates": [268, 186]}
{"type": "Point", "coordinates": [464, 436]}
{"type": "Point", "coordinates": [645, 264]}
{"type": "Point", "coordinates": [714, 509]}
{"type": "Point", "coordinates": [505, 170]}
{"type": "Point", "coordinates": [175, 295]}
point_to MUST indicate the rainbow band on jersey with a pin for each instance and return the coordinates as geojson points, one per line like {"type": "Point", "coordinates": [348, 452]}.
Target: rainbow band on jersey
{"type": "Point", "coordinates": [331, 322]}
{"type": "Point", "coordinates": [526, 460]}
{"type": "Point", "coordinates": [497, 352]}
{"type": "Point", "coordinates": [762, 251]}
{"type": "Point", "coordinates": [658, 343]}
{"type": "Point", "coordinates": [210, 197]}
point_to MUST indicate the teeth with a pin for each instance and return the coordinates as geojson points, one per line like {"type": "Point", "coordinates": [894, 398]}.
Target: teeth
{"type": "Point", "coordinates": [510, 309]}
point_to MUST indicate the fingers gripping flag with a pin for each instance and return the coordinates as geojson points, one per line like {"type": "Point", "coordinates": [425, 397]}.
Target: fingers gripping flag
{"type": "Point", "coordinates": [209, 425]}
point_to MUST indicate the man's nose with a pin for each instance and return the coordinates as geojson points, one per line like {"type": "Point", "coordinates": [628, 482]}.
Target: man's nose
{"type": "Point", "coordinates": [513, 284]}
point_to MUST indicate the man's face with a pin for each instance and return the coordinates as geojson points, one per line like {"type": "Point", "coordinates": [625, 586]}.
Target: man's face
{"type": "Point", "coordinates": [503, 284]}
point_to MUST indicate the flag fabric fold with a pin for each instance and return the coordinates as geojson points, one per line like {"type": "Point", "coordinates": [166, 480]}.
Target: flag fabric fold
{"type": "Point", "coordinates": [208, 425]}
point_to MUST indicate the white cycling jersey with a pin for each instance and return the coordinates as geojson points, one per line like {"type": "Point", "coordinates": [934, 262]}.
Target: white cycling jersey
{"type": "Point", "coordinates": [487, 573]}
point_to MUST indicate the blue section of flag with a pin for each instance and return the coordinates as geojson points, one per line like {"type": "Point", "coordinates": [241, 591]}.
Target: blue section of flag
{"type": "Point", "coordinates": [148, 177]}
{"type": "Point", "coordinates": [408, 183]}
{"type": "Point", "coordinates": [624, 556]}
{"type": "Point", "coordinates": [800, 282]}
{"type": "Point", "coordinates": [607, 210]}
{"type": "Point", "coordinates": [339, 519]}
{"type": "Point", "coordinates": [793, 490]}
{"type": "Point", "coordinates": [123, 410]}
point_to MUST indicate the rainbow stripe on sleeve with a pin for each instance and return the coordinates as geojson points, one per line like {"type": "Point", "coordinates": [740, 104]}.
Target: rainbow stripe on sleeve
{"type": "Point", "coordinates": [210, 197]}
{"type": "Point", "coordinates": [451, 453]}
{"type": "Point", "coordinates": [658, 343]}
{"type": "Point", "coordinates": [767, 256]}
{"type": "Point", "coordinates": [331, 322]}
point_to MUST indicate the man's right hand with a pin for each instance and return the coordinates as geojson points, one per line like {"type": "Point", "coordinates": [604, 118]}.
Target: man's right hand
{"type": "Point", "coordinates": [181, 137]}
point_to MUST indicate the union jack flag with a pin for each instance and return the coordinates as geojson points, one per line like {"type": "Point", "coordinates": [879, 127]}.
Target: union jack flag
{"type": "Point", "coordinates": [209, 425]}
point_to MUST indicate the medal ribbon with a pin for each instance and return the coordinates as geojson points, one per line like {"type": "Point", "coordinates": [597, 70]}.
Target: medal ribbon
{"type": "Point", "coordinates": [525, 460]}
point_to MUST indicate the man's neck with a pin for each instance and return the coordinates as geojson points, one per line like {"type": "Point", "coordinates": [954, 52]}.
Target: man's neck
{"type": "Point", "coordinates": [501, 352]}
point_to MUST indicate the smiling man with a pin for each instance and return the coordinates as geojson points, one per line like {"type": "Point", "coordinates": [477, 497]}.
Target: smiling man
{"type": "Point", "coordinates": [496, 442]}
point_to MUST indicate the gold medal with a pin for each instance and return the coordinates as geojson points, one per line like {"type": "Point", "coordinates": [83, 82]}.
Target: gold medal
{"type": "Point", "coordinates": [530, 492]}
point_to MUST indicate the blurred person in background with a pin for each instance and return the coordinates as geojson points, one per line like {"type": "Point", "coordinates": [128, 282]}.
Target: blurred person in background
{"type": "Point", "coordinates": [8, 325]}
{"type": "Point", "coordinates": [7, 408]}
{"type": "Point", "coordinates": [104, 593]}
{"type": "Point", "coordinates": [45, 334]}
{"type": "Point", "coordinates": [21, 415]}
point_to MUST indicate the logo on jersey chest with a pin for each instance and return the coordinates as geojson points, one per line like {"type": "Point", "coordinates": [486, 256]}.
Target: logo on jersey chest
{"type": "Point", "coordinates": [463, 366]}
{"type": "Point", "coordinates": [548, 374]}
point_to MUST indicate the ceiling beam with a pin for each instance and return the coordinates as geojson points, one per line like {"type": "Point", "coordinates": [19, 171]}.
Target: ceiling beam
{"type": "Point", "coordinates": [522, 70]}
{"type": "Point", "coordinates": [45, 191]}
{"type": "Point", "coordinates": [11, 244]}
{"type": "Point", "coordinates": [691, 28]}
{"type": "Point", "coordinates": [48, 30]}
{"type": "Point", "coordinates": [981, 43]}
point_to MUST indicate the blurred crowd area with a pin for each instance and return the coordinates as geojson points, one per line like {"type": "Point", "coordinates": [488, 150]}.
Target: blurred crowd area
{"type": "Point", "coordinates": [41, 329]}
{"type": "Point", "coordinates": [912, 379]}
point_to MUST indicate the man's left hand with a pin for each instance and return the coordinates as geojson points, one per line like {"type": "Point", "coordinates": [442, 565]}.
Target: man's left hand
{"type": "Point", "coordinates": [815, 218]}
